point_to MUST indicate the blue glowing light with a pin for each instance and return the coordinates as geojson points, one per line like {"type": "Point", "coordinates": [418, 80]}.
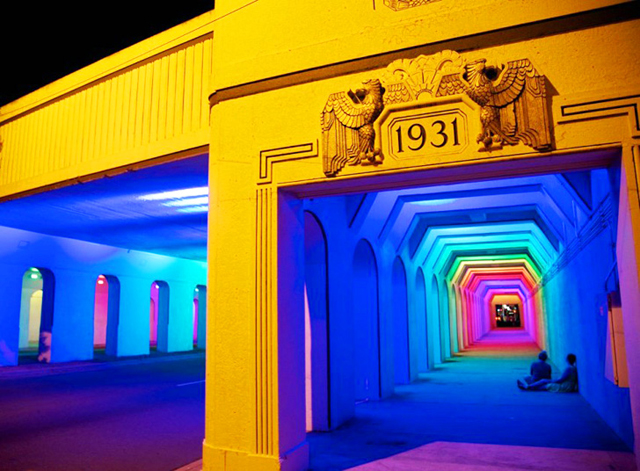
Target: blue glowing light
{"type": "Point", "coordinates": [176, 194]}
{"type": "Point", "coordinates": [197, 201]}
{"type": "Point", "coordinates": [194, 209]}
{"type": "Point", "coordinates": [434, 202]}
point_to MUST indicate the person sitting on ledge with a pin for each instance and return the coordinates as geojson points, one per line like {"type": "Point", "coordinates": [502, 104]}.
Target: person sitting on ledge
{"type": "Point", "coordinates": [568, 382]}
{"type": "Point", "coordinates": [539, 370]}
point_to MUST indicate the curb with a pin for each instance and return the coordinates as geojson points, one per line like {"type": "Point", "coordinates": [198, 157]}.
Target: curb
{"type": "Point", "coordinates": [48, 369]}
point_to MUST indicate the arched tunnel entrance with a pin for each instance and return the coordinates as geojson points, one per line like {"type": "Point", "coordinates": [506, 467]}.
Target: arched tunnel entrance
{"type": "Point", "coordinates": [459, 286]}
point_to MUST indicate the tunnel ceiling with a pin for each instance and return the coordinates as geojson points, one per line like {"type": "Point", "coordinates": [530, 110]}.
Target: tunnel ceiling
{"type": "Point", "coordinates": [490, 237]}
{"type": "Point", "coordinates": [455, 230]}
{"type": "Point", "coordinates": [160, 209]}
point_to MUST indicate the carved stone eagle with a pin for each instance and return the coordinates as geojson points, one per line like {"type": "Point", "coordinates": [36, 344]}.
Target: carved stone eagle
{"type": "Point", "coordinates": [347, 127]}
{"type": "Point", "coordinates": [512, 99]}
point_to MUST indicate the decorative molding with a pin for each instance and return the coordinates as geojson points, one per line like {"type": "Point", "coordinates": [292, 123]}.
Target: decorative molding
{"type": "Point", "coordinates": [264, 323]}
{"type": "Point", "coordinates": [283, 154]}
{"type": "Point", "coordinates": [635, 159]}
{"type": "Point", "coordinates": [347, 120]}
{"type": "Point", "coordinates": [397, 5]}
{"type": "Point", "coordinates": [512, 98]}
{"type": "Point", "coordinates": [577, 109]}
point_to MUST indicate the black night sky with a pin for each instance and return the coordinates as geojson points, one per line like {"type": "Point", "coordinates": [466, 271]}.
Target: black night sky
{"type": "Point", "coordinates": [44, 41]}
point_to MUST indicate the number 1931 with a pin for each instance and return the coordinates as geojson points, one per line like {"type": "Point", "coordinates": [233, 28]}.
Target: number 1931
{"type": "Point", "coordinates": [438, 134]}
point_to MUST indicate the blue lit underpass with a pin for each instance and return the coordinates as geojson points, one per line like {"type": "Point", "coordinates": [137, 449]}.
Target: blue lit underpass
{"type": "Point", "coordinates": [423, 306]}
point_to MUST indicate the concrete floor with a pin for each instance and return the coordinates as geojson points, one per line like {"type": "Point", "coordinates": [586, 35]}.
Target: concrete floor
{"type": "Point", "coordinates": [468, 415]}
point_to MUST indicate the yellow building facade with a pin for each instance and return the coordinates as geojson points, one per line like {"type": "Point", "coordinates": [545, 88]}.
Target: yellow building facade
{"type": "Point", "coordinates": [263, 86]}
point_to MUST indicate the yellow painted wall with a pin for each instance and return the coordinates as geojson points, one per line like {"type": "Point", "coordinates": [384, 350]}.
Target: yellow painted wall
{"type": "Point", "coordinates": [147, 101]}
{"type": "Point", "coordinates": [594, 81]}
{"type": "Point", "coordinates": [266, 38]}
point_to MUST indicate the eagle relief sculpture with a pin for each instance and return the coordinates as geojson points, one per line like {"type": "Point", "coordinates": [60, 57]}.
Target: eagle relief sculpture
{"type": "Point", "coordinates": [347, 127]}
{"type": "Point", "coordinates": [512, 100]}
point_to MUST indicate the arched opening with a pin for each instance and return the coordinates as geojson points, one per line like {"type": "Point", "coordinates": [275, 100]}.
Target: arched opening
{"type": "Point", "coordinates": [159, 316]}
{"type": "Point", "coordinates": [420, 319]}
{"type": "Point", "coordinates": [400, 323]}
{"type": "Point", "coordinates": [318, 416]}
{"type": "Point", "coordinates": [36, 314]}
{"type": "Point", "coordinates": [366, 317]}
{"type": "Point", "coordinates": [106, 314]}
{"type": "Point", "coordinates": [199, 316]}
{"type": "Point", "coordinates": [30, 310]}
{"type": "Point", "coordinates": [100, 313]}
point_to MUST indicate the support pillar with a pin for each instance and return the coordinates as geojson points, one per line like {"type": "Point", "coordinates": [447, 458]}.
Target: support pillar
{"type": "Point", "coordinates": [628, 255]}
{"type": "Point", "coordinates": [180, 332]}
{"type": "Point", "coordinates": [133, 326]}
{"type": "Point", "coordinates": [10, 293]}
{"type": "Point", "coordinates": [73, 311]}
{"type": "Point", "coordinates": [255, 349]}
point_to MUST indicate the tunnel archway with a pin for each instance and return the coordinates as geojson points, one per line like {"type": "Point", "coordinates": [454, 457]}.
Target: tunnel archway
{"type": "Point", "coordinates": [366, 319]}
{"type": "Point", "coordinates": [36, 313]}
{"type": "Point", "coordinates": [30, 310]}
{"type": "Point", "coordinates": [460, 250]}
{"type": "Point", "coordinates": [106, 314]}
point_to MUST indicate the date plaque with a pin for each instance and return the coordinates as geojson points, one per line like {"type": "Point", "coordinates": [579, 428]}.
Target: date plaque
{"type": "Point", "coordinates": [425, 132]}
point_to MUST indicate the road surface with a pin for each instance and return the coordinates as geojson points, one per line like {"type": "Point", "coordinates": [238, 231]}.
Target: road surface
{"type": "Point", "coordinates": [144, 415]}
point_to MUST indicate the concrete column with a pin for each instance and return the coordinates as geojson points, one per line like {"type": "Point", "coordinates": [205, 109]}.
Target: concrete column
{"type": "Point", "coordinates": [255, 397]}
{"type": "Point", "coordinates": [10, 294]}
{"type": "Point", "coordinates": [73, 306]}
{"type": "Point", "coordinates": [180, 332]}
{"type": "Point", "coordinates": [340, 255]}
{"type": "Point", "coordinates": [291, 340]}
{"type": "Point", "coordinates": [202, 316]}
{"type": "Point", "coordinates": [133, 325]}
{"type": "Point", "coordinates": [628, 255]}
{"type": "Point", "coordinates": [385, 261]}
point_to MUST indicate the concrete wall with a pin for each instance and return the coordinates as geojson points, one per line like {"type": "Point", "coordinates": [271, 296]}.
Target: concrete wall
{"type": "Point", "coordinates": [574, 304]}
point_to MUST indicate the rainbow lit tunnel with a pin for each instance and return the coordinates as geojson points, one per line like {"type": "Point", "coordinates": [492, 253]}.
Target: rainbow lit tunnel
{"type": "Point", "coordinates": [426, 272]}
